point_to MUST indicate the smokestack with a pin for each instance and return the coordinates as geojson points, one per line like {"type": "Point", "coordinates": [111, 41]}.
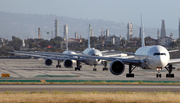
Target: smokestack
{"type": "Point", "coordinates": [65, 31]}
{"type": "Point", "coordinates": [39, 33]}
{"type": "Point", "coordinates": [107, 32]}
{"type": "Point", "coordinates": [179, 28]}
{"type": "Point", "coordinates": [56, 28]}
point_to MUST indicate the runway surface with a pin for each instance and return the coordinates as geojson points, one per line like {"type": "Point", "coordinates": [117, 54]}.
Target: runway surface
{"type": "Point", "coordinates": [32, 69]}
{"type": "Point", "coordinates": [87, 88]}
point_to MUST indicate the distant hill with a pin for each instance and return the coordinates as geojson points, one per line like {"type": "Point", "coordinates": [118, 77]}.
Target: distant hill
{"type": "Point", "coordinates": [26, 25]}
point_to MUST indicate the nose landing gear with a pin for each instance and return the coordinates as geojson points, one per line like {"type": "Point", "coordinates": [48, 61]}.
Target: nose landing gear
{"type": "Point", "coordinates": [159, 74]}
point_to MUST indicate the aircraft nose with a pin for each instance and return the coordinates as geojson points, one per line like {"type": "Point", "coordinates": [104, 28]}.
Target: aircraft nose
{"type": "Point", "coordinates": [162, 61]}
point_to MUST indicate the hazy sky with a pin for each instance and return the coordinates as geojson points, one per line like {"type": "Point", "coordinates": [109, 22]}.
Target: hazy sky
{"type": "Point", "coordinates": [113, 10]}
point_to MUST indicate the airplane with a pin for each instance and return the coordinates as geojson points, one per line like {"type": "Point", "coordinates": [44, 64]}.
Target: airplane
{"type": "Point", "coordinates": [147, 57]}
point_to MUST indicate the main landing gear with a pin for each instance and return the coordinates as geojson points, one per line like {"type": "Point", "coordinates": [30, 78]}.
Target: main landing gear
{"type": "Point", "coordinates": [105, 65]}
{"type": "Point", "coordinates": [169, 69]}
{"type": "Point", "coordinates": [78, 63]}
{"type": "Point", "coordinates": [131, 68]}
{"type": "Point", "coordinates": [58, 64]}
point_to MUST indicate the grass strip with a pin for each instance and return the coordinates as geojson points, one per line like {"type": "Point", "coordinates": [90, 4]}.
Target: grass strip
{"type": "Point", "coordinates": [90, 97]}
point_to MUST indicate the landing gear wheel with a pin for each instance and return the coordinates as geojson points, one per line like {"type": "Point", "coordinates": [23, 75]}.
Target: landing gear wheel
{"type": "Point", "coordinates": [94, 69]}
{"type": "Point", "coordinates": [129, 75]}
{"type": "Point", "coordinates": [169, 69]}
{"type": "Point", "coordinates": [158, 75]}
{"type": "Point", "coordinates": [78, 63]}
{"type": "Point", "coordinates": [105, 65]}
{"type": "Point", "coordinates": [58, 66]}
{"type": "Point", "coordinates": [170, 75]}
{"type": "Point", "coordinates": [105, 69]}
{"type": "Point", "coordinates": [77, 69]}
{"type": "Point", "coordinates": [131, 68]}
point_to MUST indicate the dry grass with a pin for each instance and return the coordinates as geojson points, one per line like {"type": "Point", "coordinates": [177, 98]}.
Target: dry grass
{"type": "Point", "coordinates": [90, 97]}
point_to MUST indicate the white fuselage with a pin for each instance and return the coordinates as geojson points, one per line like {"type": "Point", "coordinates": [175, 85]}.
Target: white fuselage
{"type": "Point", "coordinates": [152, 57]}
{"type": "Point", "coordinates": [92, 52]}
{"type": "Point", "coordinates": [69, 52]}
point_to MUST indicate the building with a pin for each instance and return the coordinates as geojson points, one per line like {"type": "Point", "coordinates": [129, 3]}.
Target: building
{"type": "Point", "coordinates": [129, 31]}
{"type": "Point", "coordinates": [112, 40]}
{"type": "Point", "coordinates": [150, 41]}
{"type": "Point", "coordinates": [71, 42]}
{"type": "Point", "coordinates": [132, 43]}
{"type": "Point", "coordinates": [163, 30]}
{"type": "Point", "coordinates": [56, 27]}
{"type": "Point", "coordinates": [76, 35]}
{"type": "Point", "coordinates": [165, 41]}
{"type": "Point", "coordinates": [65, 31]}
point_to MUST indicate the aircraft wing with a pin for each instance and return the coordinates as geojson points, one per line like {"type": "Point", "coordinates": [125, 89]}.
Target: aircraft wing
{"type": "Point", "coordinates": [105, 51]}
{"type": "Point", "coordinates": [173, 51]}
{"type": "Point", "coordinates": [77, 57]}
{"type": "Point", "coordinates": [120, 56]}
{"type": "Point", "coordinates": [174, 61]}
{"type": "Point", "coordinates": [46, 55]}
{"type": "Point", "coordinates": [123, 52]}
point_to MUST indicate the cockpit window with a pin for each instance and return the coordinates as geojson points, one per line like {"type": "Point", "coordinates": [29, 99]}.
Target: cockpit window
{"type": "Point", "coordinates": [94, 55]}
{"type": "Point", "coordinates": [159, 53]}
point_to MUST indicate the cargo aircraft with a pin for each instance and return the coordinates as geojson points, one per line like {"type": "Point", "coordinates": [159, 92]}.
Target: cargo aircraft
{"type": "Point", "coordinates": [147, 57]}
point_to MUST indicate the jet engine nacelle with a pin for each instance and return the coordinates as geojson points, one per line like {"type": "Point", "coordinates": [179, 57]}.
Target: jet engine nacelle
{"type": "Point", "coordinates": [48, 62]}
{"type": "Point", "coordinates": [68, 63]}
{"type": "Point", "coordinates": [117, 67]}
